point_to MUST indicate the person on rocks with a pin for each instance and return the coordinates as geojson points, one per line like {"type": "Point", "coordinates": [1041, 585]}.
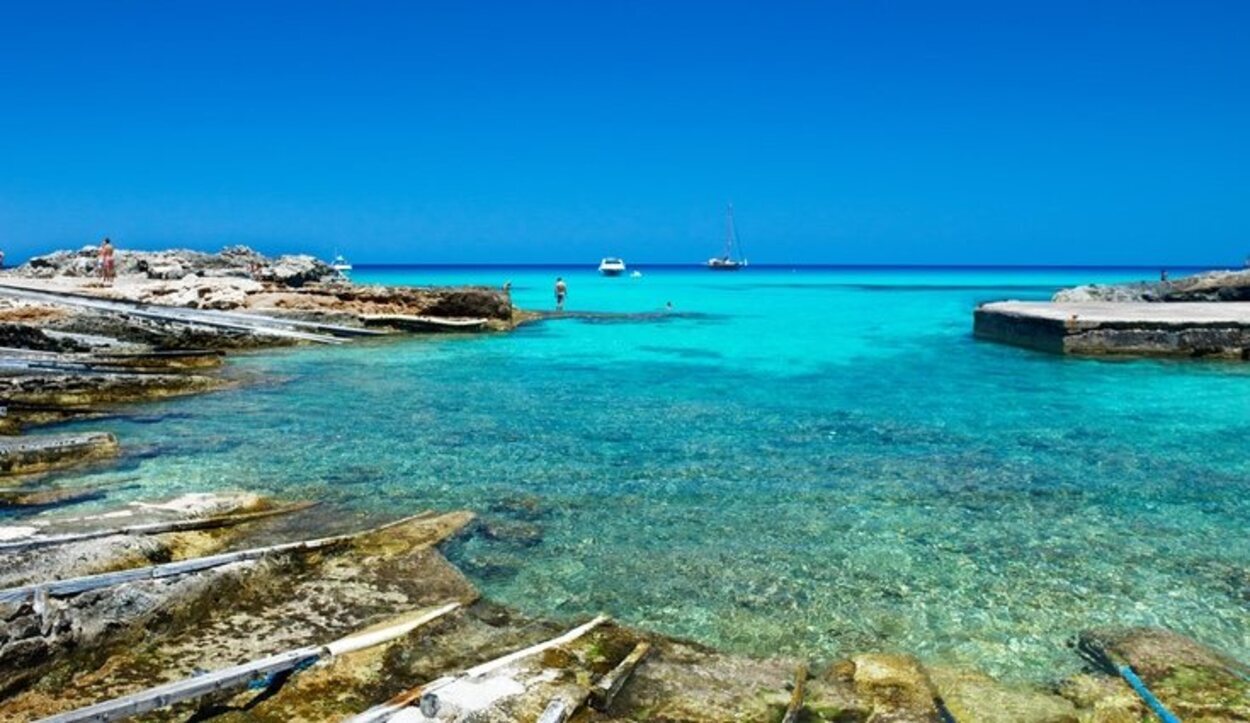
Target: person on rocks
{"type": "Point", "coordinates": [562, 290]}
{"type": "Point", "coordinates": [108, 267]}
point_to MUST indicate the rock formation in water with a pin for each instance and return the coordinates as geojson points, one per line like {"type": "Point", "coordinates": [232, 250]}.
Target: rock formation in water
{"type": "Point", "coordinates": [1207, 286]}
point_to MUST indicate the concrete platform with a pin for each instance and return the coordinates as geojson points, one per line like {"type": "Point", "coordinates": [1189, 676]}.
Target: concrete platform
{"type": "Point", "coordinates": [1190, 329]}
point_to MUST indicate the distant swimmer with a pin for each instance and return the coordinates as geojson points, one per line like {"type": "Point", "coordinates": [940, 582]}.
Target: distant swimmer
{"type": "Point", "coordinates": [562, 290]}
{"type": "Point", "coordinates": [108, 267]}
{"type": "Point", "coordinates": [668, 306]}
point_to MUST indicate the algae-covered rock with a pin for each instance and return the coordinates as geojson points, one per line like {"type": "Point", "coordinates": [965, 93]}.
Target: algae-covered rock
{"type": "Point", "coordinates": [973, 696]}
{"type": "Point", "coordinates": [894, 687]}
{"type": "Point", "coordinates": [1103, 699]}
{"type": "Point", "coordinates": [688, 683]}
{"type": "Point", "coordinates": [1194, 681]}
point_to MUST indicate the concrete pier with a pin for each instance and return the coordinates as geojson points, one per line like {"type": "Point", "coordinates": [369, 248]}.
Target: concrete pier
{"type": "Point", "coordinates": [1218, 329]}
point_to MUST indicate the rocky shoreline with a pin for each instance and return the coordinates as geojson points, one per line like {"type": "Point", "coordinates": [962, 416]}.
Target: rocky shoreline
{"type": "Point", "coordinates": [100, 607]}
{"type": "Point", "coordinates": [259, 589]}
{"type": "Point", "coordinates": [72, 347]}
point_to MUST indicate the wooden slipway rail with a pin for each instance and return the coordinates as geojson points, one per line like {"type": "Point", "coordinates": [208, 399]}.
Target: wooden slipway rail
{"type": "Point", "coordinates": [76, 585]}
{"type": "Point", "coordinates": [256, 671]}
{"type": "Point", "coordinates": [152, 528]}
{"type": "Point", "coordinates": [254, 323]}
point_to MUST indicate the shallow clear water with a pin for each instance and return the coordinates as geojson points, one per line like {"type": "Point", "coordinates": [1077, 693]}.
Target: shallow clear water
{"type": "Point", "coordinates": [814, 461]}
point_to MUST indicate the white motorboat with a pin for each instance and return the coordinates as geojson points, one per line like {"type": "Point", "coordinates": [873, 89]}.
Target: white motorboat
{"type": "Point", "coordinates": [612, 266]}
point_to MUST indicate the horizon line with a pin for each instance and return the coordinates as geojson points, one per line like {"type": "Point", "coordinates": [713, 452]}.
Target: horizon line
{"type": "Point", "coordinates": [689, 265]}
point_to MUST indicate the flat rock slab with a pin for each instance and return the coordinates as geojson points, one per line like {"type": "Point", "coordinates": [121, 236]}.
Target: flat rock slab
{"type": "Point", "coordinates": [25, 455]}
{"type": "Point", "coordinates": [1197, 329]}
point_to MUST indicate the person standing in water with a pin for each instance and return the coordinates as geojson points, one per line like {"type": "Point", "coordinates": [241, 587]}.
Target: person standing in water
{"type": "Point", "coordinates": [562, 290]}
{"type": "Point", "coordinates": [108, 269]}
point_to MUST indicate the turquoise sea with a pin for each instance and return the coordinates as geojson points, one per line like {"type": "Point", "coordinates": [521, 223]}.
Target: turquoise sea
{"type": "Point", "coordinates": [794, 460]}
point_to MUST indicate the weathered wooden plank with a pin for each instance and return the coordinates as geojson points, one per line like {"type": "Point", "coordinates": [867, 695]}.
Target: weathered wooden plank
{"type": "Point", "coordinates": [153, 528]}
{"type": "Point", "coordinates": [558, 711]}
{"type": "Point", "coordinates": [604, 691]}
{"type": "Point", "coordinates": [239, 676]}
{"type": "Point", "coordinates": [796, 695]}
{"type": "Point", "coordinates": [426, 695]}
{"type": "Point", "coordinates": [74, 586]}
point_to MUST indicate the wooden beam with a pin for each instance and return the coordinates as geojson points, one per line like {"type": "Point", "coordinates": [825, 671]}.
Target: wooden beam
{"type": "Point", "coordinates": [239, 676]}
{"type": "Point", "coordinates": [796, 695]}
{"type": "Point", "coordinates": [76, 585]}
{"type": "Point", "coordinates": [152, 528]}
{"type": "Point", "coordinates": [426, 696]}
{"type": "Point", "coordinates": [604, 691]}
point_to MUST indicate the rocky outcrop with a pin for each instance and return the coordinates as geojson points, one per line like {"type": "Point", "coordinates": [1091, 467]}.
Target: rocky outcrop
{"type": "Point", "coordinates": [25, 336]}
{"type": "Point", "coordinates": [232, 262]}
{"type": "Point", "coordinates": [1208, 286]}
{"type": "Point", "coordinates": [28, 455]}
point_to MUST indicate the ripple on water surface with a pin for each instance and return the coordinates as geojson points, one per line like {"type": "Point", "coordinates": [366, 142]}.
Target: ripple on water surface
{"type": "Point", "coordinates": [812, 467]}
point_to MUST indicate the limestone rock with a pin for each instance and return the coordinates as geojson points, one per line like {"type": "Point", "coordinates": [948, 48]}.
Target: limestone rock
{"type": "Point", "coordinates": [895, 686]}
{"type": "Point", "coordinates": [974, 696]}
{"type": "Point", "coordinates": [1103, 699]}
{"type": "Point", "coordinates": [1207, 286]}
{"type": "Point", "coordinates": [233, 262]}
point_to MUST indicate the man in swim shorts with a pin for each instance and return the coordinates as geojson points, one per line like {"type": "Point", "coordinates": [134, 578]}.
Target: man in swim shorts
{"type": "Point", "coordinates": [562, 290]}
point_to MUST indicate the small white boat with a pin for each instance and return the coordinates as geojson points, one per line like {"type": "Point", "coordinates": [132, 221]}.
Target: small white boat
{"type": "Point", "coordinates": [340, 264]}
{"type": "Point", "coordinates": [635, 275]}
{"type": "Point", "coordinates": [612, 266]}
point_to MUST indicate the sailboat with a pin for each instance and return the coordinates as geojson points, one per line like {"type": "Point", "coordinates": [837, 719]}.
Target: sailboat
{"type": "Point", "coordinates": [727, 261]}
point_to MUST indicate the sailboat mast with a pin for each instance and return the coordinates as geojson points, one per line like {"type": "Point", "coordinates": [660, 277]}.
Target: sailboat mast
{"type": "Point", "coordinates": [729, 231]}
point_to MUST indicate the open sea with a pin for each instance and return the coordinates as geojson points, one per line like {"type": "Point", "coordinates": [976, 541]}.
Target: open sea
{"type": "Point", "coordinates": [794, 460]}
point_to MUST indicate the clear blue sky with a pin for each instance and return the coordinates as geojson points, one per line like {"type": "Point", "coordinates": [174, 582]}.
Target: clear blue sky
{"type": "Point", "coordinates": [844, 132]}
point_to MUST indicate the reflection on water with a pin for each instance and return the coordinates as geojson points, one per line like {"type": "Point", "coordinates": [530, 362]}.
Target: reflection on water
{"type": "Point", "coordinates": [809, 467]}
